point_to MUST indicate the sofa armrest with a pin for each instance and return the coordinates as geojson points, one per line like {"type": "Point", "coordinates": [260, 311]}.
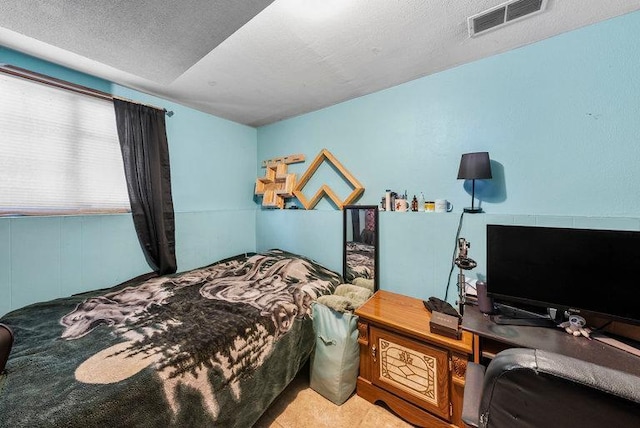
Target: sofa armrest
{"type": "Point", "coordinates": [472, 394]}
{"type": "Point", "coordinates": [572, 392]}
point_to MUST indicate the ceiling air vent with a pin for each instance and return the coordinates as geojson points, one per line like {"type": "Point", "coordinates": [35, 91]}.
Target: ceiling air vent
{"type": "Point", "coordinates": [503, 14]}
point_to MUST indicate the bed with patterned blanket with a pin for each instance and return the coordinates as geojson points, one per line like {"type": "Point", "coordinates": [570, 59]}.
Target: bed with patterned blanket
{"type": "Point", "coordinates": [210, 347]}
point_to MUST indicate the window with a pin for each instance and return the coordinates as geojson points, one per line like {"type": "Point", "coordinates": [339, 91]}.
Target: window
{"type": "Point", "coordinates": [59, 152]}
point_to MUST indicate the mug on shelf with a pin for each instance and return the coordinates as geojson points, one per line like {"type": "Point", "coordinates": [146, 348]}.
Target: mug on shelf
{"type": "Point", "coordinates": [401, 205]}
{"type": "Point", "coordinates": [443, 206]}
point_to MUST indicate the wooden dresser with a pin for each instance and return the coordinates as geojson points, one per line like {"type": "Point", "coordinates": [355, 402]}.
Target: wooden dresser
{"type": "Point", "coordinates": [418, 374]}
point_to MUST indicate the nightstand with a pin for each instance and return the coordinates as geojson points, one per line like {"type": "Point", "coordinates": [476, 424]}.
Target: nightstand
{"type": "Point", "coordinates": [418, 374]}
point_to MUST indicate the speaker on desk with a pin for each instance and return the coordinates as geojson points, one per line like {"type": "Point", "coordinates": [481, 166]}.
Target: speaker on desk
{"type": "Point", "coordinates": [485, 303]}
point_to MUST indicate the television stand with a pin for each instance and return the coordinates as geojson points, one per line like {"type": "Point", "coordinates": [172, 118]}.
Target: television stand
{"type": "Point", "coordinates": [533, 321]}
{"type": "Point", "coordinates": [625, 345]}
{"type": "Point", "coordinates": [491, 338]}
{"type": "Point", "coordinates": [508, 315]}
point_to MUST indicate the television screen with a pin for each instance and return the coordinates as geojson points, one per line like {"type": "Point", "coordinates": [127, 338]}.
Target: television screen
{"type": "Point", "coordinates": [581, 270]}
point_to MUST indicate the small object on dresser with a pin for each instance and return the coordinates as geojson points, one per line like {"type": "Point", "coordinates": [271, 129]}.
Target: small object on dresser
{"type": "Point", "coordinates": [438, 305]}
{"type": "Point", "coordinates": [445, 325]}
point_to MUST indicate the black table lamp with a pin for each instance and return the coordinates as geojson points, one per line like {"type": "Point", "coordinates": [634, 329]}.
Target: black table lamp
{"type": "Point", "coordinates": [474, 166]}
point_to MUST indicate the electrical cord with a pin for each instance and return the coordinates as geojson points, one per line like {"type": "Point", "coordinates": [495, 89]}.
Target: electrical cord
{"type": "Point", "coordinates": [453, 258]}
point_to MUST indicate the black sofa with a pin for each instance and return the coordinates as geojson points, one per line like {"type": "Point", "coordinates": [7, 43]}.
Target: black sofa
{"type": "Point", "coordinates": [533, 388]}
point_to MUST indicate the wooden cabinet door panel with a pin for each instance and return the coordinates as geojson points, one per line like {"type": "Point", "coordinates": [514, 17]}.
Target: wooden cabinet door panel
{"type": "Point", "coordinates": [412, 370]}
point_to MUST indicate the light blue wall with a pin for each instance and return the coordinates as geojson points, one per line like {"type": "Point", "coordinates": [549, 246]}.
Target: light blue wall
{"type": "Point", "coordinates": [560, 119]}
{"type": "Point", "coordinates": [213, 171]}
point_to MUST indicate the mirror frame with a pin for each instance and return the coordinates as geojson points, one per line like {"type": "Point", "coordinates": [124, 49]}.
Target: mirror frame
{"type": "Point", "coordinates": [376, 261]}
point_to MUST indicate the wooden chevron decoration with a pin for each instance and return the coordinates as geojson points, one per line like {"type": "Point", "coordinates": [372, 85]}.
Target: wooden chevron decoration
{"type": "Point", "coordinates": [325, 155]}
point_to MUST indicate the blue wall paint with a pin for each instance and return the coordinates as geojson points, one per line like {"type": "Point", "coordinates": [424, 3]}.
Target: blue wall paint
{"type": "Point", "coordinates": [560, 119]}
{"type": "Point", "coordinates": [316, 234]}
{"type": "Point", "coordinates": [208, 236]}
{"type": "Point", "coordinates": [213, 165]}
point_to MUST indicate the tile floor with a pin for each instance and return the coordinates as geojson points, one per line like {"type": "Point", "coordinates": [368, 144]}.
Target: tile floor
{"type": "Point", "coordinates": [299, 406]}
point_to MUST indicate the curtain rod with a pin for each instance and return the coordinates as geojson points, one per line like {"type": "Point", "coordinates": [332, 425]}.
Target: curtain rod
{"type": "Point", "coordinates": [63, 84]}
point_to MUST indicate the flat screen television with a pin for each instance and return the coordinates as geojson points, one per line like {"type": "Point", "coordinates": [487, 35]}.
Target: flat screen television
{"type": "Point", "coordinates": [584, 271]}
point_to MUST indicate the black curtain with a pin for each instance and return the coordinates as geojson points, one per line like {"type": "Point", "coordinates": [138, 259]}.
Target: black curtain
{"type": "Point", "coordinates": [143, 140]}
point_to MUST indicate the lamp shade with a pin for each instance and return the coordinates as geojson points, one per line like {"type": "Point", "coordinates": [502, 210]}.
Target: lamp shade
{"type": "Point", "coordinates": [474, 166]}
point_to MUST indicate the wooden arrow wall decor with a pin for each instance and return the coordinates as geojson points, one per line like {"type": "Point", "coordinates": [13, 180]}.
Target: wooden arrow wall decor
{"type": "Point", "coordinates": [324, 189]}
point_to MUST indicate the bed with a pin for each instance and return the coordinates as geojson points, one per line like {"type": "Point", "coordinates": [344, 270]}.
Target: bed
{"type": "Point", "coordinates": [212, 346]}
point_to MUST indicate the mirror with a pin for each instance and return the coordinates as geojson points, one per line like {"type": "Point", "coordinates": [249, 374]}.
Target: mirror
{"type": "Point", "coordinates": [360, 230]}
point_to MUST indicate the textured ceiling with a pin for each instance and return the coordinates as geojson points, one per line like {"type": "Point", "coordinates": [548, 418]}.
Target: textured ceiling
{"type": "Point", "coordinates": [154, 39]}
{"type": "Point", "coordinates": [293, 57]}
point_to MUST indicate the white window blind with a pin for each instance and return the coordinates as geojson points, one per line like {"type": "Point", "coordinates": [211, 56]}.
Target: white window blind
{"type": "Point", "coordinates": [59, 152]}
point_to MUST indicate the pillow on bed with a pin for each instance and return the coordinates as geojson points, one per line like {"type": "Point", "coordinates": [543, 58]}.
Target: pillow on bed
{"type": "Point", "coordinates": [364, 282]}
{"type": "Point", "coordinates": [347, 297]}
